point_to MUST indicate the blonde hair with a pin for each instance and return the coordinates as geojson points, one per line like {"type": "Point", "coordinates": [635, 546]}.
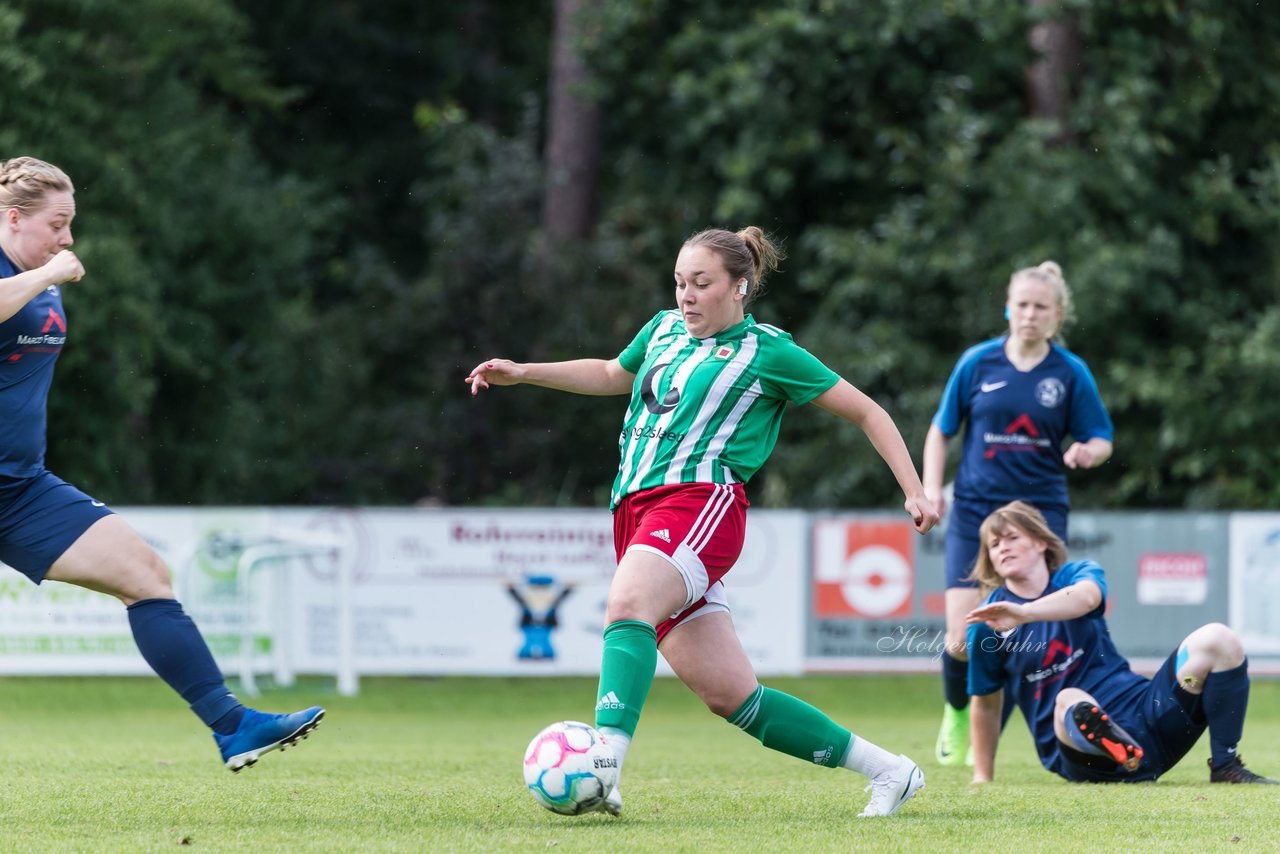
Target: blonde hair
{"type": "Point", "coordinates": [1051, 274]}
{"type": "Point", "coordinates": [25, 181]}
{"type": "Point", "coordinates": [747, 254]}
{"type": "Point", "coordinates": [1028, 521]}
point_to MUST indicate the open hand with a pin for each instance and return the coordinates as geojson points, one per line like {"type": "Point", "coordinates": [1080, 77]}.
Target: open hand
{"type": "Point", "coordinates": [999, 616]}
{"type": "Point", "coordinates": [493, 372]}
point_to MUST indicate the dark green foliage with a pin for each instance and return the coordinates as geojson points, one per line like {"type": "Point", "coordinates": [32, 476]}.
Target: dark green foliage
{"type": "Point", "coordinates": [190, 243]}
{"type": "Point", "coordinates": [304, 223]}
{"type": "Point", "coordinates": [890, 143]}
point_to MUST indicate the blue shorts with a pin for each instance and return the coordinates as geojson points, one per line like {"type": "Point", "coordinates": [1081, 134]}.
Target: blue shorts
{"type": "Point", "coordinates": [963, 523]}
{"type": "Point", "coordinates": [1166, 720]}
{"type": "Point", "coordinates": [40, 517]}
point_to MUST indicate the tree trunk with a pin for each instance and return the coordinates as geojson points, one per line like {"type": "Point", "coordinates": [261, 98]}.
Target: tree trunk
{"type": "Point", "coordinates": [572, 157]}
{"type": "Point", "coordinates": [1048, 90]}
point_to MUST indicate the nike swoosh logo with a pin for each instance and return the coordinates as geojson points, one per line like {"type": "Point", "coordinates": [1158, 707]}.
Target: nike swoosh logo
{"type": "Point", "coordinates": [905, 792]}
{"type": "Point", "coordinates": [986, 387]}
{"type": "Point", "coordinates": [97, 503]}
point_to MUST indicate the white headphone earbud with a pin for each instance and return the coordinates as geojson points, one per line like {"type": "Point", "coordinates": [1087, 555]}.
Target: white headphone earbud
{"type": "Point", "coordinates": [742, 287]}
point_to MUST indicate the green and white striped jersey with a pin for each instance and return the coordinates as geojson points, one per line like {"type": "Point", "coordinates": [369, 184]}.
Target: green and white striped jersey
{"type": "Point", "coordinates": [707, 410]}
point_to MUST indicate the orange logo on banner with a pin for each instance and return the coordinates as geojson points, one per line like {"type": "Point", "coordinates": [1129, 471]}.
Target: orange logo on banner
{"type": "Point", "coordinates": [862, 569]}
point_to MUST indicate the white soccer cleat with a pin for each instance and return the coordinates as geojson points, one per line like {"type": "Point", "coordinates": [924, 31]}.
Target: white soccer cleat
{"type": "Point", "coordinates": [613, 803]}
{"type": "Point", "coordinates": [893, 788]}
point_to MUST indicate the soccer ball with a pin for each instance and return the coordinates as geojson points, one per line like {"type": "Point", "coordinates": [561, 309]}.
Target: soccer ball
{"type": "Point", "coordinates": [570, 768]}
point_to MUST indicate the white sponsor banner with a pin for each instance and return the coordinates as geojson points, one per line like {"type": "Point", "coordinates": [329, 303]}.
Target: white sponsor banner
{"type": "Point", "coordinates": [1173, 578]}
{"type": "Point", "coordinates": [63, 629]}
{"type": "Point", "coordinates": [489, 592]}
{"type": "Point", "coordinates": [1255, 581]}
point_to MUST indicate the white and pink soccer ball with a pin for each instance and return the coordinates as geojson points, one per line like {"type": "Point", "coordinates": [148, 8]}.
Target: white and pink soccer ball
{"type": "Point", "coordinates": [570, 768]}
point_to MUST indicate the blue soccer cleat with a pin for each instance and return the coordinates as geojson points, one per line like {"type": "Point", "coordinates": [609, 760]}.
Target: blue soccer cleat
{"type": "Point", "coordinates": [260, 732]}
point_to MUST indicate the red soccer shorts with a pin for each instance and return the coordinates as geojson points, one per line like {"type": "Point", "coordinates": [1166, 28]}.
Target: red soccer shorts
{"type": "Point", "coordinates": [698, 527]}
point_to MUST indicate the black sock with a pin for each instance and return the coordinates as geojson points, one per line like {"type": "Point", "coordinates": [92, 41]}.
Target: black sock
{"type": "Point", "coordinates": [955, 681]}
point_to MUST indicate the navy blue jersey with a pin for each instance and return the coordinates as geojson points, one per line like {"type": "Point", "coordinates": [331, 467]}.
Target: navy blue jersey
{"type": "Point", "coordinates": [1037, 660]}
{"type": "Point", "coordinates": [1018, 422]}
{"type": "Point", "coordinates": [30, 343]}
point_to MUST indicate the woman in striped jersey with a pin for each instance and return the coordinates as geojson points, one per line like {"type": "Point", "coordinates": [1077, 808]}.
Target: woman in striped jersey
{"type": "Point", "coordinates": [708, 387]}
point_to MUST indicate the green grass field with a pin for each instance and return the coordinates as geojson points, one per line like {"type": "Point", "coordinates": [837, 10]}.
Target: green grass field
{"type": "Point", "coordinates": [434, 765]}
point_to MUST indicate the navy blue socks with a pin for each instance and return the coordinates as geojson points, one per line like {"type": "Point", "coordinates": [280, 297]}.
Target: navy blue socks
{"type": "Point", "coordinates": [1225, 699]}
{"type": "Point", "coordinates": [170, 642]}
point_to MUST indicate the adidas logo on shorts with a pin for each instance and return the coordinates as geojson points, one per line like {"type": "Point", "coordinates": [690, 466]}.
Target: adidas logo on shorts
{"type": "Point", "coordinates": [663, 534]}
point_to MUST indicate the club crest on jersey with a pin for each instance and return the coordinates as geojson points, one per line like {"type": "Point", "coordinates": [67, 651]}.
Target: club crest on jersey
{"type": "Point", "coordinates": [1050, 392]}
{"type": "Point", "coordinates": [724, 352]}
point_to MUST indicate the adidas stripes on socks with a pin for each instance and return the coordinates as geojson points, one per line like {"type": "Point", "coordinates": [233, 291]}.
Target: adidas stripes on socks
{"type": "Point", "coordinates": [791, 726]}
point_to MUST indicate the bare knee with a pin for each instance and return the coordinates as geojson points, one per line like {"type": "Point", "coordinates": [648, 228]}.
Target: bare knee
{"type": "Point", "coordinates": [645, 604]}
{"type": "Point", "coordinates": [628, 605]}
{"type": "Point", "coordinates": [1067, 698]}
{"type": "Point", "coordinates": [145, 577]}
{"type": "Point", "coordinates": [724, 701]}
{"type": "Point", "coordinates": [134, 574]}
{"type": "Point", "coordinates": [621, 606]}
{"type": "Point", "coordinates": [1218, 643]}
{"type": "Point", "coordinates": [645, 588]}
{"type": "Point", "coordinates": [153, 574]}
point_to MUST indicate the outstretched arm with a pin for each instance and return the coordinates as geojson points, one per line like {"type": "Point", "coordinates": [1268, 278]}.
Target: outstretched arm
{"type": "Point", "coordinates": [1065, 604]}
{"type": "Point", "coordinates": [855, 407]}
{"type": "Point", "coordinates": [580, 376]}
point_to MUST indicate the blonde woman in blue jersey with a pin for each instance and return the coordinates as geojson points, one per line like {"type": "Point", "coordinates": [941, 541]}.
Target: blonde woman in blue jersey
{"type": "Point", "coordinates": [708, 387]}
{"type": "Point", "coordinates": [49, 529]}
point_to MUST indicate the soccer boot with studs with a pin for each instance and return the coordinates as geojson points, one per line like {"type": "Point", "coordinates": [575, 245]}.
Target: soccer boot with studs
{"type": "Point", "coordinates": [260, 732]}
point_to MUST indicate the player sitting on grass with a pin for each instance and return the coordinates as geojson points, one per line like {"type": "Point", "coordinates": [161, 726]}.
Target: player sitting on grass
{"type": "Point", "coordinates": [1041, 630]}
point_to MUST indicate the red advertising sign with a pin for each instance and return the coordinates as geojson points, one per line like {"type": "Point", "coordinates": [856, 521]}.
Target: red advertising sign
{"type": "Point", "coordinates": [862, 569]}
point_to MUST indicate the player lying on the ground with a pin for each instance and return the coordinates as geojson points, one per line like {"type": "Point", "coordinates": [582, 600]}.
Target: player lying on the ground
{"type": "Point", "coordinates": [1041, 630]}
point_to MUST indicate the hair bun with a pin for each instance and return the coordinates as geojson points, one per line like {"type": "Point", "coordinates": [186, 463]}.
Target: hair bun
{"type": "Point", "coordinates": [1052, 268]}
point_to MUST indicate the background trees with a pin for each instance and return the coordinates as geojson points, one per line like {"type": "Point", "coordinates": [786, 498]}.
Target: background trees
{"type": "Point", "coordinates": [304, 223]}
